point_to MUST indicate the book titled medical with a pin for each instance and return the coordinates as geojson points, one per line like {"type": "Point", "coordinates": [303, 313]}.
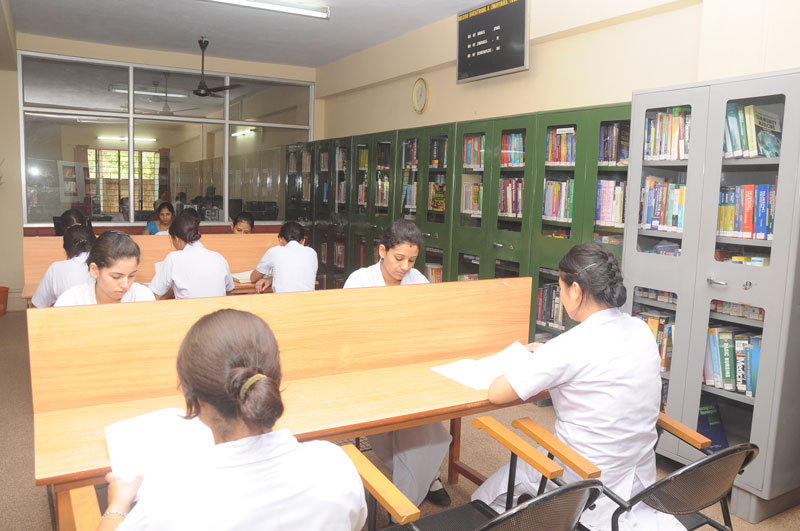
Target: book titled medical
{"type": "Point", "coordinates": [479, 374]}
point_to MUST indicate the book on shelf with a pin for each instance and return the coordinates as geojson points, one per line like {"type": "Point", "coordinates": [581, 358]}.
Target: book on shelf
{"type": "Point", "coordinates": [324, 160]}
{"type": "Point", "coordinates": [363, 159]}
{"type": "Point", "coordinates": [732, 359]}
{"type": "Point", "coordinates": [362, 193]}
{"type": "Point", "coordinates": [735, 309]}
{"type": "Point", "coordinates": [664, 394]}
{"type": "Point", "coordinates": [662, 324]}
{"type": "Point", "coordinates": [468, 276]}
{"type": "Point", "coordinates": [338, 254]}
{"type": "Point", "coordinates": [614, 146]}
{"type": "Point", "coordinates": [665, 248]}
{"type": "Point", "coordinates": [667, 134]}
{"type": "Point", "coordinates": [709, 423]}
{"type": "Point", "coordinates": [512, 150]}
{"type": "Point", "coordinates": [560, 146]}
{"type": "Point", "coordinates": [558, 200]}
{"type": "Point", "coordinates": [306, 161]}
{"type": "Point", "coordinates": [434, 272]}
{"type": "Point", "coordinates": [752, 358]}
{"type": "Point", "coordinates": [410, 154]}
{"type": "Point", "coordinates": [382, 191]}
{"type": "Point", "coordinates": [436, 196]}
{"type": "Point", "coordinates": [325, 191]}
{"type": "Point", "coordinates": [323, 252]}
{"type": "Point", "coordinates": [472, 198]}
{"type": "Point", "coordinates": [341, 159]}
{"type": "Point", "coordinates": [410, 195]}
{"type": "Point", "coordinates": [611, 239]}
{"type": "Point", "coordinates": [473, 151]}
{"type": "Point", "coordinates": [744, 211]}
{"type": "Point", "coordinates": [341, 192]}
{"type": "Point", "coordinates": [306, 189]}
{"type": "Point", "coordinates": [292, 162]}
{"type": "Point", "coordinates": [550, 311]}
{"type": "Point", "coordinates": [656, 295]}
{"type": "Point", "coordinates": [609, 203]}
{"type": "Point", "coordinates": [438, 156]}
{"type": "Point", "coordinates": [662, 204]}
{"type": "Point", "coordinates": [511, 196]}
{"type": "Point", "coordinates": [383, 155]}
{"type": "Point", "coordinates": [751, 131]}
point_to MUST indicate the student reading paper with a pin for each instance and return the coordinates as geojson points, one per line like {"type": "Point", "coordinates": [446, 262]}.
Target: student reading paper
{"type": "Point", "coordinates": [64, 274]}
{"type": "Point", "coordinates": [255, 478]}
{"type": "Point", "coordinates": [604, 380]}
{"type": "Point", "coordinates": [289, 266]}
{"type": "Point", "coordinates": [412, 454]}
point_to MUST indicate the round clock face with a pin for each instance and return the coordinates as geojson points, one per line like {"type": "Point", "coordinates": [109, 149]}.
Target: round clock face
{"type": "Point", "coordinates": [419, 95]}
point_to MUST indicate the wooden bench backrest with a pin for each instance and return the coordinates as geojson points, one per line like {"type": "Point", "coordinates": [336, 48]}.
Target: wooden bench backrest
{"type": "Point", "coordinates": [241, 251]}
{"type": "Point", "coordinates": [88, 355]}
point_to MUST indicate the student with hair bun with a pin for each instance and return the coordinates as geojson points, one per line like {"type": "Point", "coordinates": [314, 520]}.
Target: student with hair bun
{"type": "Point", "coordinates": [113, 262]}
{"type": "Point", "coordinates": [255, 478]}
{"type": "Point", "coordinates": [603, 377]}
{"type": "Point", "coordinates": [64, 274]}
{"type": "Point", "coordinates": [191, 270]}
{"type": "Point", "coordinates": [288, 266]}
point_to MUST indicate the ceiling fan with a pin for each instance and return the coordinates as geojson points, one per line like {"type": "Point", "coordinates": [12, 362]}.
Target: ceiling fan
{"type": "Point", "coordinates": [203, 89]}
{"type": "Point", "coordinates": [165, 110]}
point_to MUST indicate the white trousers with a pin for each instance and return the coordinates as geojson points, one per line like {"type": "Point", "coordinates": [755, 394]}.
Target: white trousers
{"type": "Point", "coordinates": [414, 456]}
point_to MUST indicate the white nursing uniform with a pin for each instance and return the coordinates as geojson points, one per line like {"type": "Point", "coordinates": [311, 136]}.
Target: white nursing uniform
{"type": "Point", "coordinates": [414, 455]}
{"type": "Point", "coordinates": [603, 377]}
{"type": "Point", "coordinates": [293, 267]}
{"type": "Point", "coordinates": [264, 482]}
{"type": "Point", "coordinates": [193, 272]}
{"type": "Point", "coordinates": [84, 294]}
{"type": "Point", "coordinates": [59, 277]}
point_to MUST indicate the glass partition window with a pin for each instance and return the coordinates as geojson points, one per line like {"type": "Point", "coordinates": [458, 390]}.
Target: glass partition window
{"type": "Point", "coordinates": [77, 124]}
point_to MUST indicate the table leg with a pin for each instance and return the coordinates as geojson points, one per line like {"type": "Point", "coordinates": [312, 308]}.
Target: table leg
{"type": "Point", "coordinates": [455, 467]}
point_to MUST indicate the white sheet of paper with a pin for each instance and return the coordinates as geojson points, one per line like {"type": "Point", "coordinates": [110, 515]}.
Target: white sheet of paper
{"type": "Point", "coordinates": [243, 277]}
{"type": "Point", "coordinates": [148, 442]}
{"type": "Point", "coordinates": [479, 374]}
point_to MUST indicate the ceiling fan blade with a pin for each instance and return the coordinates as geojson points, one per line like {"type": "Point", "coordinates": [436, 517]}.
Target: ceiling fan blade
{"type": "Point", "coordinates": [186, 110]}
{"type": "Point", "coordinates": [226, 87]}
{"type": "Point", "coordinates": [215, 95]}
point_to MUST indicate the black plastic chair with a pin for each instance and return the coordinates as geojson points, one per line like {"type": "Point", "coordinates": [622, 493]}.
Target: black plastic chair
{"type": "Point", "coordinates": [558, 510]}
{"type": "Point", "coordinates": [694, 487]}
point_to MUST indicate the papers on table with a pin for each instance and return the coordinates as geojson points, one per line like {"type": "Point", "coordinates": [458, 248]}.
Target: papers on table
{"type": "Point", "coordinates": [150, 442]}
{"type": "Point", "coordinates": [243, 277]}
{"type": "Point", "coordinates": [479, 374]}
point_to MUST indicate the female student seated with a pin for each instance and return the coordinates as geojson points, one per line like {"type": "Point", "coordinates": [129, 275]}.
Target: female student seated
{"type": "Point", "coordinates": [603, 377]}
{"type": "Point", "coordinates": [413, 454]}
{"type": "Point", "coordinates": [191, 270]}
{"type": "Point", "coordinates": [244, 223]}
{"type": "Point", "coordinates": [166, 214]}
{"type": "Point", "coordinates": [113, 262]}
{"type": "Point", "coordinates": [254, 477]}
{"type": "Point", "coordinates": [64, 274]}
{"type": "Point", "coordinates": [289, 266]}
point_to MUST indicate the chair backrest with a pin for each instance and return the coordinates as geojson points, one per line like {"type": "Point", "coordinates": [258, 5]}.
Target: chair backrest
{"type": "Point", "coordinates": [699, 485]}
{"type": "Point", "coordinates": [557, 510]}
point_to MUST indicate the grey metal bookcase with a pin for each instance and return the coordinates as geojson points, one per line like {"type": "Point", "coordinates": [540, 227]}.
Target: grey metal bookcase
{"type": "Point", "coordinates": [699, 276]}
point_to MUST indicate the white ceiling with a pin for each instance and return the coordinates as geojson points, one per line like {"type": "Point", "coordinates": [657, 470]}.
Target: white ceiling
{"type": "Point", "coordinates": [234, 32]}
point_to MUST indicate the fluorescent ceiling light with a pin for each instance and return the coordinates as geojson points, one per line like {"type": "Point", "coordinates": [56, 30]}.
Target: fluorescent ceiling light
{"type": "Point", "coordinates": [125, 138]}
{"type": "Point", "coordinates": [122, 88]}
{"type": "Point", "coordinates": [245, 132]}
{"type": "Point", "coordinates": [293, 8]}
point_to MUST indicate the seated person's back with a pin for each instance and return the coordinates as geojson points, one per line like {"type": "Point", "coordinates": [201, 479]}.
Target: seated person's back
{"type": "Point", "coordinates": [291, 265]}
{"type": "Point", "coordinates": [64, 274]}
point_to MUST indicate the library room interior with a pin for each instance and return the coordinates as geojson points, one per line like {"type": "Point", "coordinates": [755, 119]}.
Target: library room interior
{"type": "Point", "coordinates": [604, 180]}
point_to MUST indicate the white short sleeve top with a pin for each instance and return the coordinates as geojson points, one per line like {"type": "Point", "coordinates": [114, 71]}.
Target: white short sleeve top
{"type": "Point", "coordinates": [84, 294]}
{"type": "Point", "coordinates": [59, 277]}
{"type": "Point", "coordinates": [193, 272]}
{"type": "Point", "coordinates": [293, 267]}
{"type": "Point", "coordinates": [371, 277]}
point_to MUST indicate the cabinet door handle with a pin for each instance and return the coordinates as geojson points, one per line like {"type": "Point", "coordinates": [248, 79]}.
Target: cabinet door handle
{"type": "Point", "coordinates": [426, 234]}
{"type": "Point", "coordinates": [497, 245]}
{"type": "Point", "coordinates": [712, 282]}
{"type": "Point", "coordinates": [373, 226]}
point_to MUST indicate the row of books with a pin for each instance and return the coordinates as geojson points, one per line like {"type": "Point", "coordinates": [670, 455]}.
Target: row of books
{"type": "Point", "coordinates": [662, 205]}
{"type": "Point", "coordinates": [612, 239]}
{"type": "Point", "coordinates": [363, 159]}
{"type": "Point", "coordinates": [468, 276]}
{"type": "Point", "coordinates": [325, 191]}
{"type": "Point", "coordinates": [614, 147]}
{"type": "Point", "coordinates": [550, 310]}
{"type": "Point", "coordinates": [746, 211]}
{"type": "Point", "coordinates": [560, 146]}
{"type": "Point", "coordinates": [384, 155]}
{"type": "Point", "coordinates": [361, 194]}
{"type": "Point", "coordinates": [306, 161]}
{"type": "Point", "coordinates": [473, 151]}
{"type": "Point", "coordinates": [558, 200]}
{"type": "Point", "coordinates": [662, 324]}
{"type": "Point", "coordinates": [656, 295]}
{"type": "Point", "coordinates": [559, 234]}
{"type": "Point", "coordinates": [512, 150]}
{"type": "Point", "coordinates": [323, 252]}
{"type": "Point", "coordinates": [338, 255]}
{"type": "Point", "coordinates": [324, 161]}
{"type": "Point", "coordinates": [433, 272]}
{"type": "Point", "coordinates": [751, 131]}
{"type": "Point", "coordinates": [472, 198]}
{"type": "Point", "coordinates": [410, 154]}
{"type": "Point", "coordinates": [732, 360]}
{"type": "Point", "coordinates": [341, 159]}
{"type": "Point", "coordinates": [341, 192]}
{"type": "Point", "coordinates": [609, 203]}
{"type": "Point", "coordinates": [291, 163]}
{"type": "Point", "coordinates": [667, 134]}
{"type": "Point", "coordinates": [306, 186]}
{"type": "Point", "coordinates": [436, 196]}
{"type": "Point", "coordinates": [757, 260]}
{"type": "Point", "coordinates": [382, 191]}
{"type": "Point", "coordinates": [438, 156]}
{"type": "Point", "coordinates": [665, 248]}
{"type": "Point", "coordinates": [511, 197]}
{"type": "Point", "coordinates": [737, 310]}
{"type": "Point", "coordinates": [410, 195]}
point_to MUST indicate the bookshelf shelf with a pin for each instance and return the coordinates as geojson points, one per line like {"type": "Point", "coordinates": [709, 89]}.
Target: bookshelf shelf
{"type": "Point", "coordinates": [609, 228]}
{"type": "Point", "coordinates": [747, 242]}
{"type": "Point", "coordinates": [730, 395]}
{"type": "Point", "coordinates": [654, 303]}
{"type": "Point", "coordinates": [665, 163]}
{"type": "Point", "coordinates": [612, 169]}
{"type": "Point", "coordinates": [556, 222]}
{"type": "Point", "coordinates": [736, 320]}
{"type": "Point", "coordinates": [661, 234]}
{"type": "Point", "coordinates": [757, 161]}
{"type": "Point", "coordinates": [547, 328]}
{"type": "Point", "coordinates": [560, 167]}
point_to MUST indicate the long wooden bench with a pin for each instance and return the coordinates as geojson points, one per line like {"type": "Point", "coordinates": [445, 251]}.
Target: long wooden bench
{"type": "Point", "coordinates": [355, 362]}
{"type": "Point", "coordinates": [241, 251]}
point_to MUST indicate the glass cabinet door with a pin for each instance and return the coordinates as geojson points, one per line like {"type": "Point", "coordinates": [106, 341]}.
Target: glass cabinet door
{"type": "Point", "coordinates": [306, 193]}
{"type": "Point", "coordinates": [409, 183]}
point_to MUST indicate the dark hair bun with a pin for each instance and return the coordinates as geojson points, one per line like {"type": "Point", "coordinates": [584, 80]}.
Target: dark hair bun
{"type": "Point", "coordinates": [261, 403]}
{"type": "Point", "coordinates": [596, 270]}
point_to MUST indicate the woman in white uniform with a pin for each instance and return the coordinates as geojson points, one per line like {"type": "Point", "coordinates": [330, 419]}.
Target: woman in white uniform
{"type": "Point", "coordinates": [289, 266]}
{"type": "Point", "coordinates": [253, 478]}
{"type": "Point", "coordinates": [414, 455]}
{"type": "Point", "coordinates": [603, 377]}
{"type": "Point", "coordinates": [191, 270]}
{"type": "Point", "coordinates": [64, 274]}
{"type": "Point", "coordinates": [113, 262]}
